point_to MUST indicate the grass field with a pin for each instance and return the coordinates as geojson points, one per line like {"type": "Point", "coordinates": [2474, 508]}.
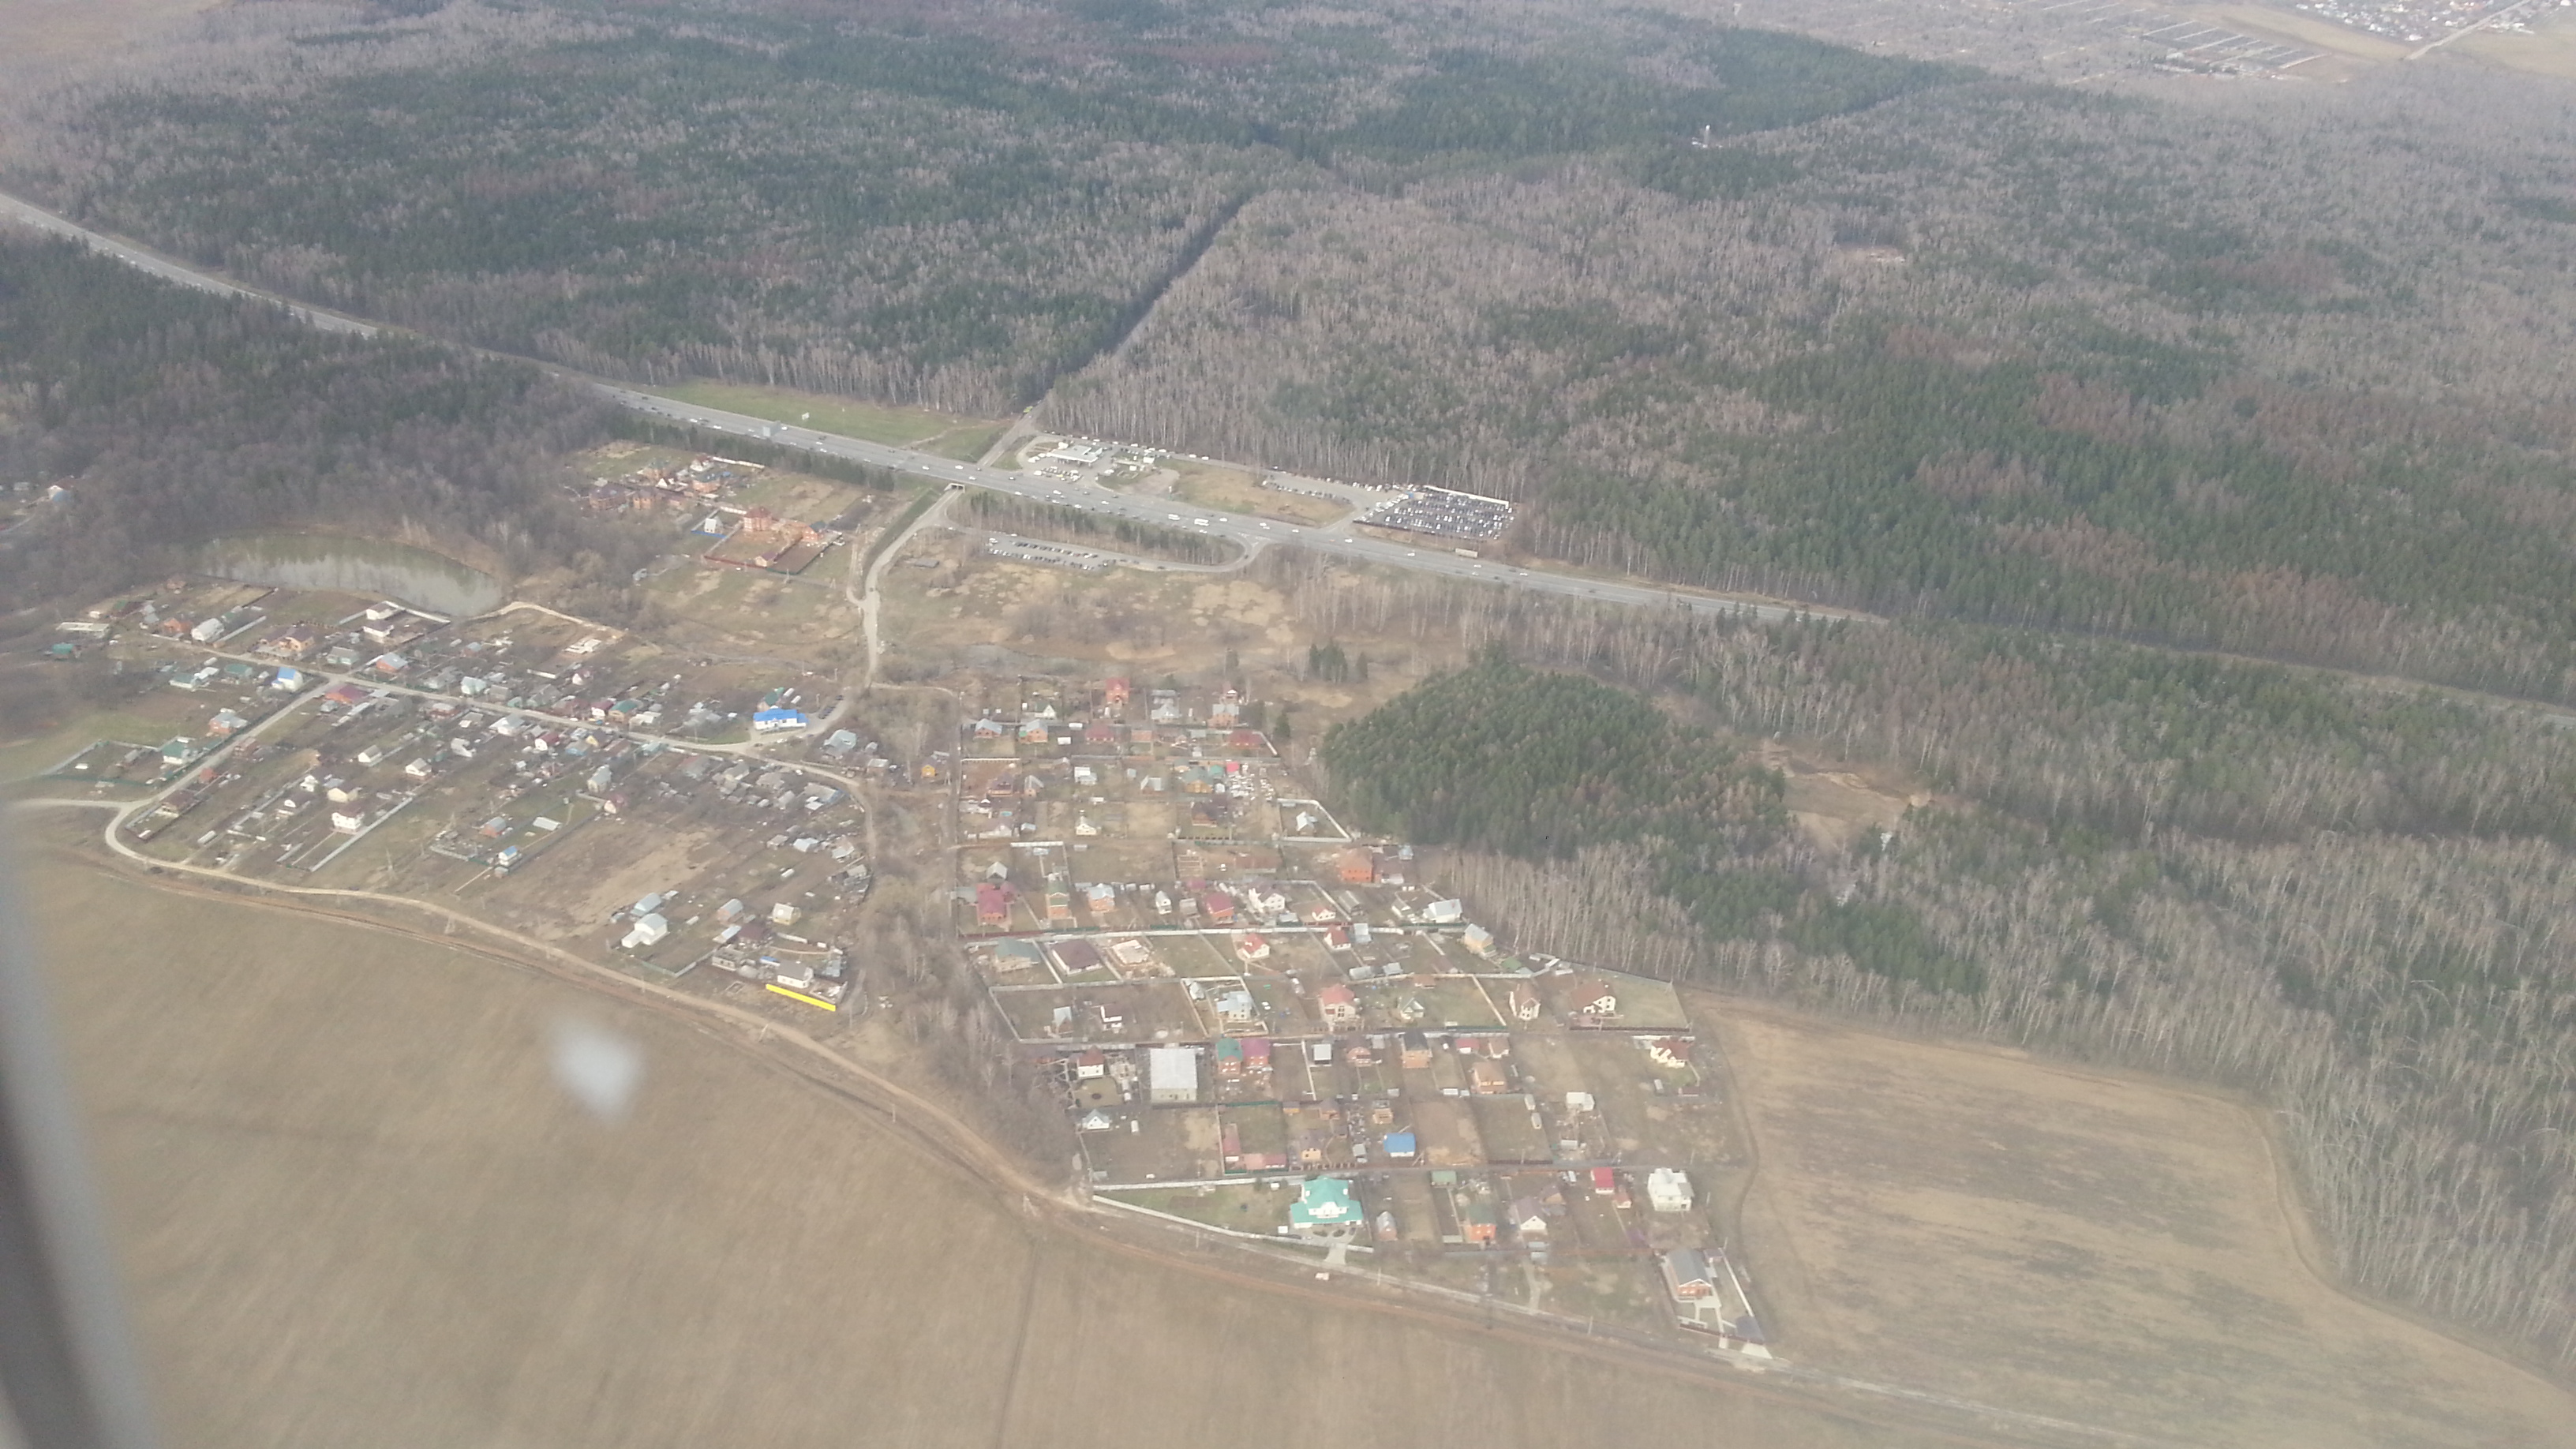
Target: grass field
{"type": "Point", "coordinates": [2550, 49]}
{"type": "Point", "coordinates": [356, 1210]}
{"type": "Point", "coordinates": [946, 434]}
{"type": "Point", "coordinates": [1232, 489]}
{"type": "Point", "coordinates": [2111, 1251]}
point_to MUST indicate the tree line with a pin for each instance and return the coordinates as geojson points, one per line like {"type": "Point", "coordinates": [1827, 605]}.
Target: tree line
{"type": "Point", "coordinates": [170, 416]}
{"type": "Point", "coordinates": [2344, 897]}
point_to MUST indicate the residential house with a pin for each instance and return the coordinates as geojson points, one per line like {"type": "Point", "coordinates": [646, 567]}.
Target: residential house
{"type": "Point", "coordinates": [1228, 1052]}
{"type": "Point", "coordinates": [1340, 1006]}
{"type": "Point", "coordinates": [1668, 1190]}
{"type": "Point", "coordinates": [1324, 1205]}
{"type": "Point", "coordinates": [1478, 1219]}
{"type": "Point", "coordinates": [1594, 998]}
{"type": "Point", "coordinates": [1218, 906]}
{"type": "Point", "coordinates": [1416, 1051]}
{"type": "Point", "coordinates": [1252, 946]}
{"type": "Point", "coordinates": [1687, 1275]}
{"type": "Point", "coordinates": [1358, 865]}
{"type": "Point", "coordinates": [293, 642]}
{"type": "Point", "coordinates": [1528, 1220]}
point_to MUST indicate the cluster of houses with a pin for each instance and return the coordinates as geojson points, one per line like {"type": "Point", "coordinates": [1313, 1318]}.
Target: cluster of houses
{"type": "Point", "coordinates": [688, 488]}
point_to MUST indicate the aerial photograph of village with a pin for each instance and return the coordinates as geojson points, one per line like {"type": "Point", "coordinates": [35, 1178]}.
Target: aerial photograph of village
{"type": "Point", "coordinates": [1137, 722]}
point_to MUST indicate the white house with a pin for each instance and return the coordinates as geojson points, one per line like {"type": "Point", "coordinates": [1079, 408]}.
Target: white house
{"type": "Point", "coordinates": [1668, 1190]}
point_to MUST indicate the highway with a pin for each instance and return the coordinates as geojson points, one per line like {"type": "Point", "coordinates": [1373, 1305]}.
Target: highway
{"type": "Point", "coordinates": [1427, 555]}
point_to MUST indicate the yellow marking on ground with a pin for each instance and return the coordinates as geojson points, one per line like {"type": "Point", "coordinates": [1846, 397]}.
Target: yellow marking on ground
{"type": "Point", "coordinates": [801, 996]}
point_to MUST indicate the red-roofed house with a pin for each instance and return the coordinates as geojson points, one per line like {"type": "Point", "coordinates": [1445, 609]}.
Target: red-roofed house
{"type": "Point", "coordinates": [1340, 1005]}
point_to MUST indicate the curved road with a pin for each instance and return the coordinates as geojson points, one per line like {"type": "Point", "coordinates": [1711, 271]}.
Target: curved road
{"type": "Point", "coordinates": [1341, 540]}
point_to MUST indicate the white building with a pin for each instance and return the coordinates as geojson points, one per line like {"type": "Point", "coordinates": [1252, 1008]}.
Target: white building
{"type": "Point", "coordinates": [1171, 1074]}
{"type": "Point", "coordinates": [1668, 1190]}
{"type": "Point", "coordinates": [649, 931]}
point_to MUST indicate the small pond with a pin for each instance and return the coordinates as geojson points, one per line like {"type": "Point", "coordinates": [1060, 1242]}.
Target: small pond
{"type": "Point", "coordinates": [353, 565]}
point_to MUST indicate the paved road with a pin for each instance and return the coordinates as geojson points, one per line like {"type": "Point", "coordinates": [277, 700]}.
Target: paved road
{"type": "Point", "coordinates": [1427, 555]}
{"type": "Point", "coordinates": [1339, 539]}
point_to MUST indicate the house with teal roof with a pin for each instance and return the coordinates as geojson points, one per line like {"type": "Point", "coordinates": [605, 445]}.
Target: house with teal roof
{"type": "Point", "coordinates": [1324, 1204]}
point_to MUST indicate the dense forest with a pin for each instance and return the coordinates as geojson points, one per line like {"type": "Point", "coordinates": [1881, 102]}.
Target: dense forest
{"type": "Point", "coordinates": [2270, 371]}
{"type": "Point", "coordinates": [2348, 899]}
{"type": "Point", "coordinates": [953, 215]}
{"type": "Point", "coordinates": [170, 416]}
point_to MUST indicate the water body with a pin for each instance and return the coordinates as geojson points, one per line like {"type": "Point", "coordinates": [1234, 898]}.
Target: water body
{"type": "Point", "coordinates": [355, 566]}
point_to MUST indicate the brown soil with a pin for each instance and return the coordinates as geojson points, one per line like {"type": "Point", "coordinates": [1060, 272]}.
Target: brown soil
{"type": "Point", "coordinates": [356, 1209]}
{"type": "Point", "coordinates": [2105, 1249]}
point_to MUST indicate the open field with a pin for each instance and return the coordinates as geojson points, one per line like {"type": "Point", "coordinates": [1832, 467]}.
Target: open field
{"type": "Point", "coordinates": [2550, 48]}
{"type": "Point", "coordinates": [716, 609]}
{"type": "Point", "coordinates": [1212, 486]}
{"type": "Point", "coordinates": [356, 1209]}
{"type": "Point", "coordinates": [2111, 1250]}
{"type": "Point", "coordinates": [45, 33]}
{"type": "Point", "coordinates": [946, 434]}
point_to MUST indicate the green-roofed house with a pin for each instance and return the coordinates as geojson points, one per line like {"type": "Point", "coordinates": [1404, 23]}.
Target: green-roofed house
{"type": "Point", "coordinates": [1324, 1205]}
